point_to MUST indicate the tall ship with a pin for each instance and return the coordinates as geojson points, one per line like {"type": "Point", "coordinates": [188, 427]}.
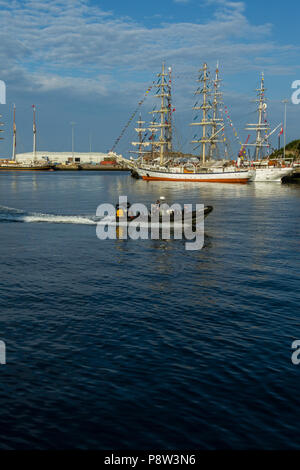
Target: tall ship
{"type": "Point", "coordinates": [263, 168]}
{"type": "Point", "coordinates": [12, 164]}
{"type": "Point", "coordinates": [159, 163]}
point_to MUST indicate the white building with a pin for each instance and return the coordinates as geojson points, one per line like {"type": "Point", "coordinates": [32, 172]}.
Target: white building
{"type": "Point", "coordinates": [64, 157]}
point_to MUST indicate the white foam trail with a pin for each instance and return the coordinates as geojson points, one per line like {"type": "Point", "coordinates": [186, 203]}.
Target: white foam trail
{"type": "Point", "coordinates": [58, 219]}
{"type": "Point", "coordinates": [8, 214]}
{"type": "Point", "coordinates": [11, 209]}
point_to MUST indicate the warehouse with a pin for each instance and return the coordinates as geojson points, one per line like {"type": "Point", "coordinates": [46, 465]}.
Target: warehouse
{"type": "Point", "coordinates": [64, 157]}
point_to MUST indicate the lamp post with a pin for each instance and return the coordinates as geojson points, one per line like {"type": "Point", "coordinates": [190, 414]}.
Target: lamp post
{"type": "Point", "coordinates": [34, 133]}
{"type": "Point", "coordinates": [284, 126]}
{"type": "Point", "coordinates": [73, 124]}
{"type": "Point", "coordinates": [14, 133]}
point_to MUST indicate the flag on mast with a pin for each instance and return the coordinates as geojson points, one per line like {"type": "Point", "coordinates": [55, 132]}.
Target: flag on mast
{"type": "Point", "coordinates": [281, 131]}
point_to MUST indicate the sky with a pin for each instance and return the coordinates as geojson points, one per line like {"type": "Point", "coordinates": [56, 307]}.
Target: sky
{"type": "Point", "coordinates": [90, 62]}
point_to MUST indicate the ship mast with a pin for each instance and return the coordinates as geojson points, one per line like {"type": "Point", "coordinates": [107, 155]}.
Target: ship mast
{"type": "Point", "coordinates": [140, 130]}
{"type": "Point", "coordinates": [217, 121]}
{"type": "Point", "coordinates": [14, 134]}
{"type": "Point", "coordinates": [205, 107]}
{"type": "Point", "coordinates": [164, 95]}
{"type": "Point", "coordinates": [170, 111]}
{"type": "Point", "coordinates": [153, 130]}
{"type": "Point", "coordinates": [34, 134]}
{"type": "Point", "coordinates": [1, 130]}
{"type": "Point", "coordinates": [261, 126]}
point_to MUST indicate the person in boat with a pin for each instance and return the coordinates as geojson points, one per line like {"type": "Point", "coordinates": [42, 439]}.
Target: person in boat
{"type": "Point", "coordinates": [130, 215]}
{"type": "Point", "coordinates": [122, 210]}
{"type": "Point", "coordinates": [156, 207]}
{"type": "Point", "coordinates": [159, 206]}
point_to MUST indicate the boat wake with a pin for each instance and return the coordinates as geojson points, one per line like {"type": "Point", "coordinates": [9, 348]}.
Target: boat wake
{"type": "Point", "coordinates": [9, 214]}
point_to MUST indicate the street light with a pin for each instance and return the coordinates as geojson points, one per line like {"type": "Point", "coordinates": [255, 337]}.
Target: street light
{"type": "Point", "coordinates": [73, 124]}
{"type": "Point", "coordinates": [284, 135]}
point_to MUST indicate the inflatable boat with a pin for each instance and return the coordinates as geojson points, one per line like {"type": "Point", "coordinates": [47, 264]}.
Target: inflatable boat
{"type": "Point", "coordinates": [160, 219]}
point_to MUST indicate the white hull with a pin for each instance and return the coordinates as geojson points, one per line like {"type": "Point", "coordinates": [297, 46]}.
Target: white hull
{"type": "Point", "coordinates": [217, 176]}
{"type": "Point", "coordinates": [271, 174]}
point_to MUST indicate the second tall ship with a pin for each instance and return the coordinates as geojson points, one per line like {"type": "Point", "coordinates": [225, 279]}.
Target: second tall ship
{"type": "Point", "coordinates": [263, 167]}
{"type": "Point", "coordinates": [158, 164]}
{"type": "Point", "coordinates": [13, 164]}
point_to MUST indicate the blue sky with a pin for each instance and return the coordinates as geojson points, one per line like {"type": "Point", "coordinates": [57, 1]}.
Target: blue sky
{"type": "Point", "coordinates": [91, 61]}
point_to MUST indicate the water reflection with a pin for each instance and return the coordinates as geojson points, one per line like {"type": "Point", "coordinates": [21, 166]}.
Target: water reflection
{"type": "Point", "coordinates": [148, 192]}
{"type": "Point", "coordinates": [20, 181]}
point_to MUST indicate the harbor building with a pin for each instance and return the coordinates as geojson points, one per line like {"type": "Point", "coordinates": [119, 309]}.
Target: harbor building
{"type": "Point", "coordinates": [63, 157]}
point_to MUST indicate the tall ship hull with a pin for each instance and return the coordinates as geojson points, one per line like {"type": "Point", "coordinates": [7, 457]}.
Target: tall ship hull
{"type": "Point", "coordinates": [241, 176]}
{"type": "Point", "coordinates": [20, 167]}
{"type": "Point", "coordinates": [271, 174]}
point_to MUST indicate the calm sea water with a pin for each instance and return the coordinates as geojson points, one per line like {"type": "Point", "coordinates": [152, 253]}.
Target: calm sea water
{"type": "Point", "coordinates": [141, 344]}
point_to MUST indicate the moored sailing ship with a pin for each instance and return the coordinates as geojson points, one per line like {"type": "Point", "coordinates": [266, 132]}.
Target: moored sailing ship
{"type": "Point", "coordinates": [13, 165]}
{"type": "Point", "coordinates": [263, 168]}
{"type": "Point", "coordinates": [161, 166]}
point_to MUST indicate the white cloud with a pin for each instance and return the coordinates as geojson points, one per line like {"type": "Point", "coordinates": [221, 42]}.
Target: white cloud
{"type": "Point", "coordinates": [75, 48]}
{"type": "Point", "coordinates": [80, 40]}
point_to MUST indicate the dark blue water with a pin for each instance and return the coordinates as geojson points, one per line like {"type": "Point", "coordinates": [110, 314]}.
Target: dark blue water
{"type": "Point", "coordinates": [142, 344]}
